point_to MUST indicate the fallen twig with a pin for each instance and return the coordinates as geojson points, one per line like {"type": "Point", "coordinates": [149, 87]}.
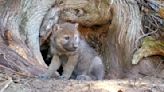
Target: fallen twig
{"type": "Point", "coordinates": [6, 84]}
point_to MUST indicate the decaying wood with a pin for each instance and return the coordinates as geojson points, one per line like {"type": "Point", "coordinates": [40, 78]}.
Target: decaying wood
{"type": "Point", "coordinates": [149, 47]}
{"type": "Point", "coordinates": [161, 12]}
{"type": "Point", "coordinates": [124, 31]}
{"type": "Point", "coordinates": [50, 19]}
{"type": "Point", "coordinates": [148, 66]}
{"type": "Point", "coordinates": [86, 12]}
{"type": "Point", "coordinates": [96, 36]}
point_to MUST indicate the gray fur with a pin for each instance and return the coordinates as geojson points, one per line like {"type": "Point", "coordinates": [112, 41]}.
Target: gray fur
{"type": "Point", "coordinates": [89, 64]}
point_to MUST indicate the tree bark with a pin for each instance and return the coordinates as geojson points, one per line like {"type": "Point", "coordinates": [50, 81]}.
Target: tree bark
{"type": "Point", "coordinates": [125, 30]}
{"type": "Point", "coordinates": [20, 21]}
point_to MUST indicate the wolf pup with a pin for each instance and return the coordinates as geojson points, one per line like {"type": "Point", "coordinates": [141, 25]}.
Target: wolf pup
{"type": "Point", "coordinates": [78, 59]}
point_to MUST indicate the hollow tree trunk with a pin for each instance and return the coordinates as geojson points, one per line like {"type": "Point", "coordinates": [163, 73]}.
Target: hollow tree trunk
{"type": "Point", "coordinates": [20, 22]}
{"type": "Point", "coordinates": [112, 27]}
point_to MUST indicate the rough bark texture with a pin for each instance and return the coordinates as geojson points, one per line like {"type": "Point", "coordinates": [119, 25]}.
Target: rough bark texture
{"type": "Point", "coordinates": [122, 36]}
{"type": "Point", "coordinates": [20, 22]}
{"type": "Point", "coordinates": [86, 12]}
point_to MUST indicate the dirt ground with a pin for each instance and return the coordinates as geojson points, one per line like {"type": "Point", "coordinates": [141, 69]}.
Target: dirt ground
{"type": "Point", "coordinates": [146, 84]}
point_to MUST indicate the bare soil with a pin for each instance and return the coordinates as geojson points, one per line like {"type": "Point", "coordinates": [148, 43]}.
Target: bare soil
{"type": "Point", "coordinates": [146, 84]}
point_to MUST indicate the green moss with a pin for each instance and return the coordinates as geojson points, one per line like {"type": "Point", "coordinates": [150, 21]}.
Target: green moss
{"type": "Point", "coordinates": [153, 43]}
{"type": "Point", "coordinates": [150, 46]}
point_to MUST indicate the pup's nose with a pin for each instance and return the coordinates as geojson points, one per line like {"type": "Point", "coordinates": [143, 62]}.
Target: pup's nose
{"type": "Point", "coordinates": [75, 46]}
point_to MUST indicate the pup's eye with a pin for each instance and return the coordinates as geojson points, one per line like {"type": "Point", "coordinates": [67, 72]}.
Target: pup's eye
{"type": "Point", "coordinates": [66, 37]}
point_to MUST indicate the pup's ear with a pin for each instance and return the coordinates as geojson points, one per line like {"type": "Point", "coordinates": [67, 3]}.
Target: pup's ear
{"type": "Point", "coordinates": [56, 28]}
{"type": "Point", "coordinates": [76, 25]}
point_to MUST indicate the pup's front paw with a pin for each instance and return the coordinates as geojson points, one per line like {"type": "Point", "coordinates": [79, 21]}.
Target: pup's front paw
{"type": "Point", "coordinates": [83, 77]}
{"type": "Point", "coordinates": [47, 76]}
{"type": "Point", "coordinates": [44, 77]}
{"type": "Point", "coordinates": [62, 78]}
